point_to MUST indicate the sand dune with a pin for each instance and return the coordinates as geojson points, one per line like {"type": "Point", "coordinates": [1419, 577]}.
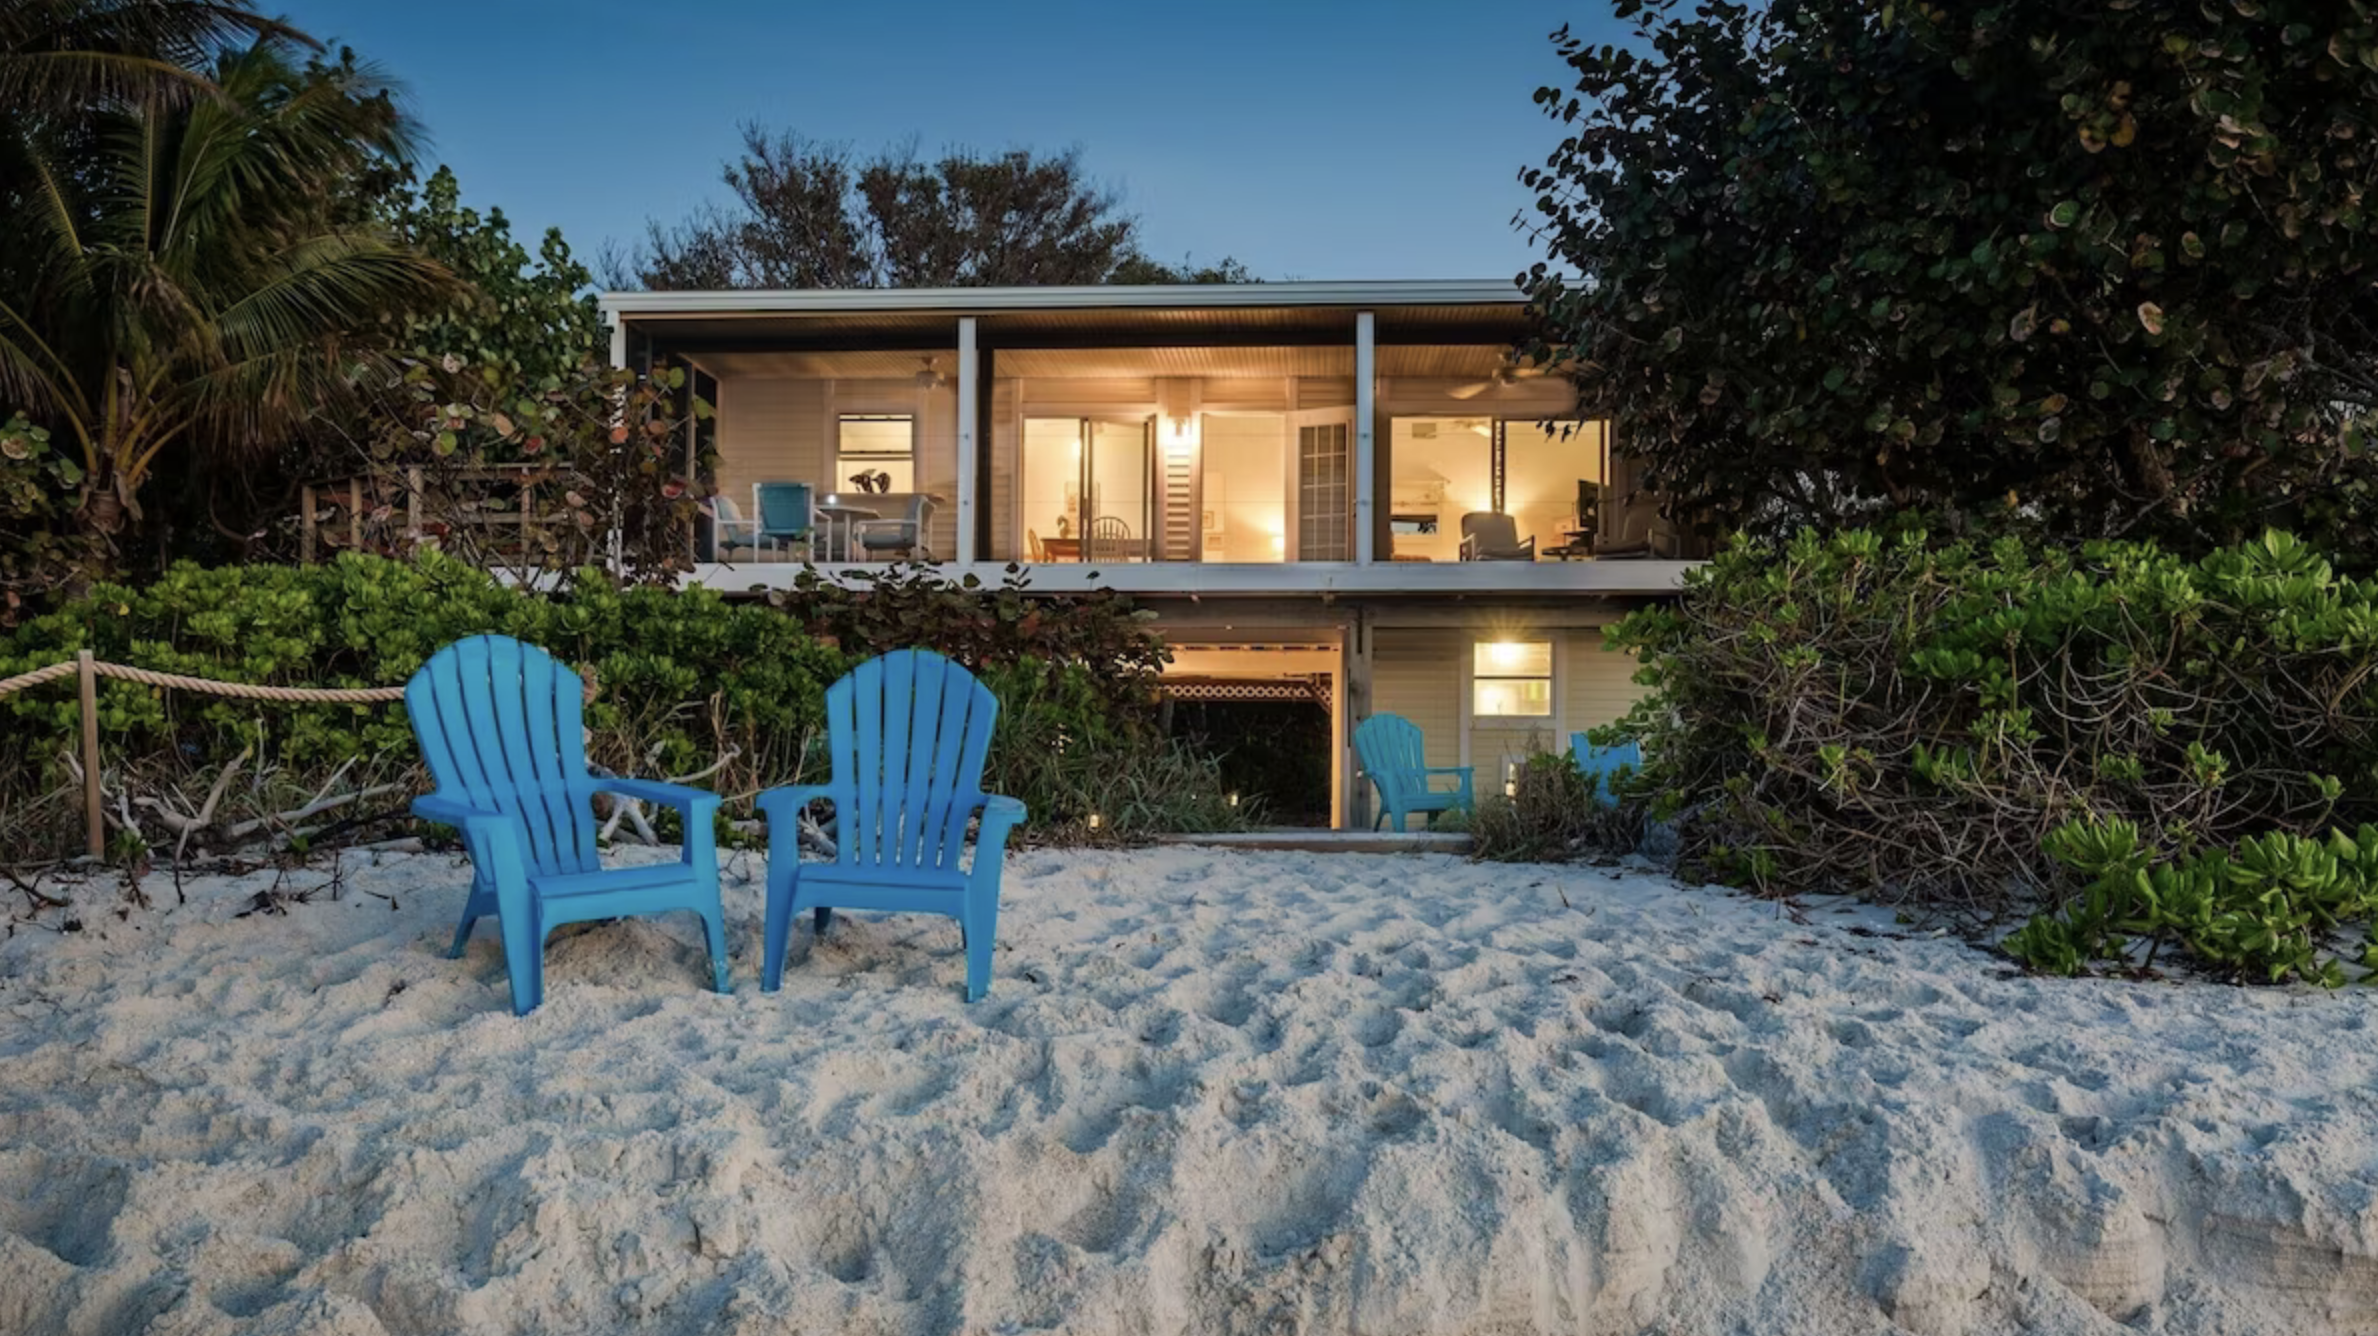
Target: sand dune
{"type": "Point", "coordinates": [1210, 1092]}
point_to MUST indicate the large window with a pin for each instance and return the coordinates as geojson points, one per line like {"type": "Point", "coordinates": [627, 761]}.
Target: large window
{"type": "Point", "coordinates": [1511, 679]}
{"type": "Point", "coordinates": [882, 445]}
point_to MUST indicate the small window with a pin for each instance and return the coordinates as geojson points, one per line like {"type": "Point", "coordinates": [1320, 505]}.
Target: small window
{"type": "Point", "coordinates": [877, 443]}
{"type": "Point", "coordinates": [1511, 679]}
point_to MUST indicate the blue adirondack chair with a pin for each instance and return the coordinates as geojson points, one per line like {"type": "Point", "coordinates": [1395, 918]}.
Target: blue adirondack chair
{"type": "Point", "coordinates": [1392, 754]}
{"type": "Point", "coordinates": [1600, 764]}
{"type": "Point", "coordinates": [907, 734]}
{"type": "Point", "coordinates": [498, 722]}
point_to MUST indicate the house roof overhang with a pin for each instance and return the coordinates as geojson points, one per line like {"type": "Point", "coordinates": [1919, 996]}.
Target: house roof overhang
{"type": "Point", "coordinates": [1174, 315]}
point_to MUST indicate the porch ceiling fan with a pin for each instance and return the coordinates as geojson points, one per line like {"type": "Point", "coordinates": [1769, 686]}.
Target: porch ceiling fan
{"type": "Point", "coordinates": [1510, 373]}
{"type": "Point", "coordinates": [930, 378]}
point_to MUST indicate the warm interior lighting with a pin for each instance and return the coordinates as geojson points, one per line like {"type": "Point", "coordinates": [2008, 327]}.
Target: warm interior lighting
{"type": "Point", "coordinates": [1505, 654]}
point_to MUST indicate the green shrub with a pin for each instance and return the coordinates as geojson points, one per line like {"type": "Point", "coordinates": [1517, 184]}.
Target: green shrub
{"type": "Point", "coordinates": [1549, 810]}
{"type": "Point", "coordinates": [689, 682]}
{"type": "Point", "coordinates": [1912, 723]}
{"type": "Point", "coordinates": [2276, 909]}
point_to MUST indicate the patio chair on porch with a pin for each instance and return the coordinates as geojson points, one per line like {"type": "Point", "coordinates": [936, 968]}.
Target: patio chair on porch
{"type": "Point", "coordinates": [1393, 755]}
{"type": "Point", "coordinates": [785, 514]}
{"type": "Point", "coordinates": [901, 529]}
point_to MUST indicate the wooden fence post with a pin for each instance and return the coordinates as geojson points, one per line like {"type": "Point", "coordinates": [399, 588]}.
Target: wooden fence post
{"type": "Point", "coordinates": [87, 672]}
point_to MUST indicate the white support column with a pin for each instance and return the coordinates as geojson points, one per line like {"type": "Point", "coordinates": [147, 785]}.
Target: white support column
{"type": "Point", "coordinates": [619, 340]}
{"type": "Point", "coordinates": [1366, 385]}
{"type": "Point", "coordinates": [969, 421]}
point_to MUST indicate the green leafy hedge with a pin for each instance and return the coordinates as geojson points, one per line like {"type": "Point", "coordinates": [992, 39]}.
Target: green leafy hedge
{"type": "Point", "coordinates": [685, 677]}
{"type": "Point", "coordinates": [1960, 727]}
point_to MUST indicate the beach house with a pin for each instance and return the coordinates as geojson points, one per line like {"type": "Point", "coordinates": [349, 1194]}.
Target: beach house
{"type": "Point", "coordinates": [1347, 494]}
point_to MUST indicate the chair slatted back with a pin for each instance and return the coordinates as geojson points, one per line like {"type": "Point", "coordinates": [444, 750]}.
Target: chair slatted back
{"type": "Point", "coordinates": [1392, 753]}
{"type": "Point", "coordinates": [908, 733]}
{"type": "Point", "coordinates": [499, 723]}
{"type": "Point", "coordinates": [785, 510]}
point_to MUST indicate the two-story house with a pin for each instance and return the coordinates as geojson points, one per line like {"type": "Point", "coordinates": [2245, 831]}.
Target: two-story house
{"type": "Point", "coordinates": [1347, 493]}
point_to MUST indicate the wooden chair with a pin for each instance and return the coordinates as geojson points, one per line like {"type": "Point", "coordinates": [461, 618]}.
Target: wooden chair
{"type": "Point", "coordinates": [1394, 756]}
{"type": "Point", "coordinates": [498, 723]}
{"type": "Point", "coordinates": [907, 734]}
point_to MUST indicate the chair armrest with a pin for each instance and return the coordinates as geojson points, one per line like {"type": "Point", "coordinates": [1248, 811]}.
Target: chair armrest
{"type": "Point", "coordinates": [786, 804]}
{"type": "Point", "coordinates": [1001, 813]}
{"type": "Point", "coordinates": [455, 812]}
{"type": "Point", "coordinates": [501, 832]}
{"type": "Point", "coordinates": [1448, 769]}
{"type": "Point", "coordinates": [684, 797]}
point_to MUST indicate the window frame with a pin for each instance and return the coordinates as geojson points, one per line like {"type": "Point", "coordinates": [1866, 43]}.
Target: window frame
{"type": "Point", "coordinates": [1550, 677]}
{"type": "Point", "coordinates": [844, 458]}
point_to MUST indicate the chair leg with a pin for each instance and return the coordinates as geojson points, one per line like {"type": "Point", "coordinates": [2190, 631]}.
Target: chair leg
{"type": "Point", "coordinates": [475, 906]}
{"type": "Point", "coordinates": [824, 916]}
{"type": "Point", "coordinates": [524, 960]}
{"type": "Point", "coordinates": [462, 932]}
{"type": "Point", "coordinates": [714, 921]}
{"type": "Point", "coordinates": [980, 930]}
{"type": "Point", "coordinates": [779, 927]}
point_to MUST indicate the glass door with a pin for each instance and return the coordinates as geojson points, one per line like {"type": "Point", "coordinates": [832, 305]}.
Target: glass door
{"type": "Point", "coordinates": [1322, 486]}
{"type": "Point", "coordinates": [1118, 489]}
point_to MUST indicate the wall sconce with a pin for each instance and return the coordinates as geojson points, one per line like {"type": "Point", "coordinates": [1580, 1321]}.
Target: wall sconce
{"type": "Point", "coordinates": [1233, 799]}
{"type": "Point", "coordinates": [1279, 543]}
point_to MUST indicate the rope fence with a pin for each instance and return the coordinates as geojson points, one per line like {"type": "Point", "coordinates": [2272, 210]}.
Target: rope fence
{"type": "Point", "coordinates": [88, 669]}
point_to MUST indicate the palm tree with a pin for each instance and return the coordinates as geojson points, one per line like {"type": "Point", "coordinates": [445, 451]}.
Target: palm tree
{"type": "Point", "coordinates": [59, 57]}
{"type": "Point", "coordinates": [186, 274]}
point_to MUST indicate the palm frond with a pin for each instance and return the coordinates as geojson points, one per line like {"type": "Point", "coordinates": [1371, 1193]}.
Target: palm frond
{"type": "Point", "coordinates": [58, 57]}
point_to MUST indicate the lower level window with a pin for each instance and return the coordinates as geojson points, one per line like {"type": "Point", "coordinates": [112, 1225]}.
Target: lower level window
{"type": "Point", "coordinates": [1511, 679]}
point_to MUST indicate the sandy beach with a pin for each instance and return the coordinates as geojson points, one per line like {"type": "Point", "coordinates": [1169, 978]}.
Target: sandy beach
{"type": "Point", "coordinates": [1210, 1092]}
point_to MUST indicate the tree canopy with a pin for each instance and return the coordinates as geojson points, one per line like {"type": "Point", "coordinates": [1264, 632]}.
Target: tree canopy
{"type": "Point", "coordinates": [809, 214]}
{"type": "Point", "coordinates": [2104, 267]}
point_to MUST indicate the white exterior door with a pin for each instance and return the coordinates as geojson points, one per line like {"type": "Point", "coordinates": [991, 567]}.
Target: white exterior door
{"type": "Point", "coordinates": [1321, 485]}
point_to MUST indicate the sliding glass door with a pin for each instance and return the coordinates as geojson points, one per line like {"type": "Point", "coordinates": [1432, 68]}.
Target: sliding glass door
{"type": "Point", "coordinates": [1090, 488]}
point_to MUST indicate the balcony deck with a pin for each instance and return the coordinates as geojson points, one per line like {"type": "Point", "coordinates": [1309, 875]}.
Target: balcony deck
{"type": "Point", "coordinates": [1266, 579]}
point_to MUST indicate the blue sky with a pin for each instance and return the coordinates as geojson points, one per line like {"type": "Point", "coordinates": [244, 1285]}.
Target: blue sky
{"type": "Point", "coordinates": [1313, 139]}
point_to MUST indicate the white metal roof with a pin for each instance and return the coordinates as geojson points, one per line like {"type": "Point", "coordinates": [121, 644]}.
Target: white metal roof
{"type": "Point", "coordinates": [1117, 296]}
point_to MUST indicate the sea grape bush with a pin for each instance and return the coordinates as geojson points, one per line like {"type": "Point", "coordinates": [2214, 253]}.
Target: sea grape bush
{"type": "Point", "coordinates": [1928, 724]}
{"type": "Point", "coordinates": [687, 678]}
{"type": "Point", "coordinates": [2279, 907]}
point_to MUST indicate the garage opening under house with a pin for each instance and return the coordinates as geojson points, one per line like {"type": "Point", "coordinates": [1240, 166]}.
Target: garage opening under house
{"type": "Point", "coordinates": [1343, 498]}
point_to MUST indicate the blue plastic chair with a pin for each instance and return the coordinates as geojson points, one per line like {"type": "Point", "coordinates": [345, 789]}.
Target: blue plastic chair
{"type": "Point", "coordinates": [786, 515]}
{"type": "Point", "coordinates": [907, 734]}
{"type": "Point", "coordinates": [1600, 765]}
{"type": "Point", "coordinates": [1393, 755]}
{"type": "Point", "coordinates": [498, 722]}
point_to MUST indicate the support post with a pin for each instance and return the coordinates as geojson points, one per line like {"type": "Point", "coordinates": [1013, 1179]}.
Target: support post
{"type": "Point", "coordinates": [1354, 706]}
{"type": "Point", "coordinates": [86, 671]}
{"type": "Point", "coordinates": [969, 426]}
{"type": "Point", "coordinates": [1366, 395]}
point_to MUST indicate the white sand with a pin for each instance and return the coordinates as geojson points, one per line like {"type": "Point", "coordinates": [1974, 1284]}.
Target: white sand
{"type": "Point", "coordinates": [1210, 1092]}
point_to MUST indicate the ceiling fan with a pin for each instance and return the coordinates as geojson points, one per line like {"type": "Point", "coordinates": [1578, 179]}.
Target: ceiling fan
{"type": "Point", "coordinates": [1502, 377]}
{"type": "Point", "coordinates": [931, 378]}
